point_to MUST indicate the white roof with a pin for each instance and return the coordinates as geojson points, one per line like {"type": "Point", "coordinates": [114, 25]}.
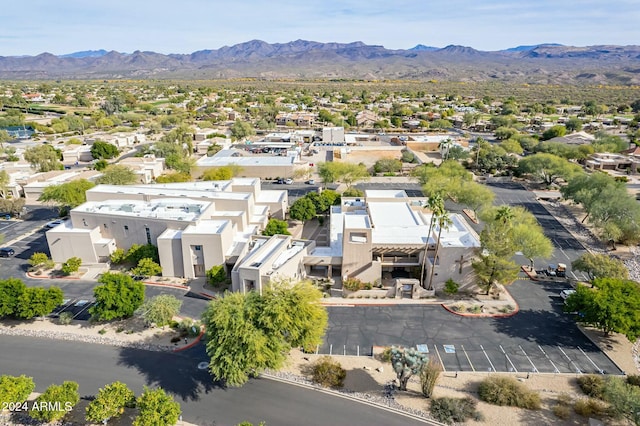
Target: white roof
{"type": "Point", "coordinates": [206, 227]}
{"type": "Point", "coordinates": [183, 209]}
{"type": "Point", "coordinates": [271, 196]}
{"type": "Point", "coordinates": [356, 220]}
{"type": "Point", "coordinates": [385, 193]}
{"type": "Point", "coordinates": [219, 161]}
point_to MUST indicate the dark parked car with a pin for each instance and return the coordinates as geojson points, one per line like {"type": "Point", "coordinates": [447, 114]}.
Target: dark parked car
{"type": "Point", "coordinates": [7, 252]}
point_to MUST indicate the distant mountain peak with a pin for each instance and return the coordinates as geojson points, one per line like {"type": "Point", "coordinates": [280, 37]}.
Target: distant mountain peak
{"type": "Point", "coordinates": [531, 47]}
{"type": "Point", "coordinates": [86, 54]}
{"type": "Point", "coordinates": [422, 47]}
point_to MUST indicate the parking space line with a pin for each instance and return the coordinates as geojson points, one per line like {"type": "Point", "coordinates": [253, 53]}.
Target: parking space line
{"type": "Point", "coordinates": [600, 370]}
{"type": "Point", "coordinates": [467, 355]}
{"type": "Point", "coordinates": [86, 306]}
{"type": "Point", "coordinates": [67, 305]}
{"type": "Point", "coordinates": [490, 363]}
{"type": "Point", "coordinates": [508, 359]}
{"type": "Point", "coordinates": [555, 369]}
{"type": "Point", "coordinates": [570, 361]}
{"type": "Point", "coordinates": [535, 370]}
{"type": "Point", "coordinates": [440, 358]}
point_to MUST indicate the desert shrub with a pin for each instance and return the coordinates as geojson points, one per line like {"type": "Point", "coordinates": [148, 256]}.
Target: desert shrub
{"type": "Point", "coordinates": [451, 287]}
{"type": "Point", "coordinates": [118, 256]}
{"type": "Point", "coordinates": [590, 407]}
{"type": "Point", "coordinates": [562, 408]}
{"type": "Point", "coordinates": [633, 380]}
{"type": "Point", "coordinates": [476, 309]}
{"type": "Point", "coordinates": [592, 385]}
{"type": "Point", "coordinates": [561, 411]}
{"type": "Point", "coordinates": [385, 356]}
{"type": "Point", "coordinates": [624, 399]}
{"type": "Point", "coordinates": [508, 391]}
{"type": "Point", "coordinates": [65, 318]}
{"type": "Point", "coordinates": [429, 376]}
{"type": "Point", "coordinates": [454, 410]}
{"type": "Point", "coordinates": [327, 372]}
{"type": "Point", "coordinates": [354, 284]}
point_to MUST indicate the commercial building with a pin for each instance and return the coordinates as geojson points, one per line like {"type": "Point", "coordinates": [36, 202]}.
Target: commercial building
{"type": "Point", "coordinates": [195, 225]}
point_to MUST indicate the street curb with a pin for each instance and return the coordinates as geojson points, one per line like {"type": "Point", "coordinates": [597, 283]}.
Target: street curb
{"type": "Point", "coordinates": [208, 296]}
{"type": "Point", "coordinates": [531, 277]}
{"type": "Point", "coordinates": [192, 344]}
{"type": "Point", "coordinates": [350, 397]}
{"type": "Point", "coordinates": [157, 284]}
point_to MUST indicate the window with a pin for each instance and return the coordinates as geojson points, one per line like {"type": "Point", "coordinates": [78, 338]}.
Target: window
{"type": "Point", "coordinates": [148, 231]}
{"type": "Point", "coordinates": [197, 248]}
{"type": "Point", "coordinates": [105, 226]}
{"type": "Point", "coordinates": [358, 237]}
{"type": "Point", "coordinates": [84, 222]}
{"type": "Point", "coordinates": [126, 228]}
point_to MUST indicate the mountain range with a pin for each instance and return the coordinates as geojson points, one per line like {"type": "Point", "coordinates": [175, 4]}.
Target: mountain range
{"type": "Point", "coordinates": [548, 63]}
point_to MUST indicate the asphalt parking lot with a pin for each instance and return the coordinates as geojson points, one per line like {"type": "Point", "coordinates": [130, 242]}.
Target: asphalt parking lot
{"type": "Point", "coordinates": [540, 338]}
{"type": "Point", "coordinates": [78, 307]}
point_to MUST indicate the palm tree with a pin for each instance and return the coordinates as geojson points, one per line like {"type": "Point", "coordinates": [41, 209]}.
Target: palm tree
{"type": "Point", "coordinates": [436, 205]}
{"type": "Point", "coordinates": [443, 222]}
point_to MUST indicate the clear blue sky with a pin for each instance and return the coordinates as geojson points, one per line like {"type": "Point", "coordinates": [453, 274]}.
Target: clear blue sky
{"type": "Point", "coordinates": [30, 27]}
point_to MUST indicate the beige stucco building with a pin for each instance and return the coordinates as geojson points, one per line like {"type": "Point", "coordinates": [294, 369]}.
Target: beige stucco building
{"type": "Point", "coordinates": [195, 225]}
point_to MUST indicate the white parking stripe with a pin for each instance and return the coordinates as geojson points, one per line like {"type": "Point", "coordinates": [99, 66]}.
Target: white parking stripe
{"type": "Point", "coordinates": [570, 360]}
{"type": "Point", "coordinates": [441, 363]}
{"type": "Point", "coordinates": [465, 354]}
{"type": "Point", "coordinates": [508, 359]}
{"type": "Point", "coordinates": [555, 369]}
{"type": "Point", "coordinates": [535, 370]}
{"type": "Point", "coordinates": [600, 370]}
{"type": "Point", "coordinates": [487, 356]}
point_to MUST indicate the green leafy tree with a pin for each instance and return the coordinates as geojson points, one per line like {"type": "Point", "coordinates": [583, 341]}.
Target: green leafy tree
{"type": "Point", "coordinates": [104, 150]}
{"type": "Point", "coordinates": [43, 158]}
{"type": "Point", "coordinates": [67, 195]}
{"type": "Point", "coordinates": [574, 124]}
{"type": "Point", "coordinates": [241, 130]}
{"type": "Point", "coordinates": [58, 400]}
{"type": "Point", "coordinates": [548, 168]}
{"type": "Point", "coordinates": [110, 402]}
{"type": "Point", "coordinates": [38, 259]}
{"type": "Point", "coordinates": [597, 265]}
{"type": "Point", "coordinates": [445, 180]}
{"type": "Point", "coordinates": [38, 302]}
{"type": "Point", "coordinates": [160, 310]}
{"type": "Point", "coordinates": [138, 252]}
{"type": "Point", "coordinates": [216, 275]}
{"type": "Point", "coordinates": [247, 333]}
{"type": "Point", "coordinates": [222, 173]}
{"type": "Point", "coordinates": [118, 297]}
{"type": "Point", "coordinates": [174, 177]}
{"type": "Point", "coordinates": [16, 388]}
{"type": "Point", "coordinates": [353, 192]}
{"type": "Point", "coordinates": [11, 290]}
{"type": "Point", "coordinates": [275, 226]}
{"type": "Point", "coordinates": [474, 195]}
{"type": "Point", "coordinates": [387, 165]}
{"type": "Point", "coordinates": [100, 165]}
{"type": "Point", "coordinates": [554, 132]}
{"type": "Point", "coordinates": [71, 265]}
{"type": "Point", "coordinates": [117, 175]}
{"type": "Point", "coordinates": [612, 306]}
{"type": "Point", "coordinates": [147, 268]}
{"type": "Point", "coordinates": [302, 209]}
{"type": "Point", "coordinates": [156, 408]}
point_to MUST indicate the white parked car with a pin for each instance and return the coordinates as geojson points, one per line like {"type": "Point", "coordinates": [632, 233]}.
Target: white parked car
{"type": "Point", "coordinates": [54, 223]}
{"type": "Point", "coordinates": [288, 181]}
{"type": "Point", "coordinates": [566, 293]}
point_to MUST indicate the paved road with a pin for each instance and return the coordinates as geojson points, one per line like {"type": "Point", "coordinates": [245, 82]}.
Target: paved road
{"type": "Point", "coordinates": [567, 248]}
{"type": "Point", "coordinates": [203, 401]}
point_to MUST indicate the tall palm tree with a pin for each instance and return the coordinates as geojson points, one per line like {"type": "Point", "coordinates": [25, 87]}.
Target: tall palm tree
{"type": "Point", "coordinates": [436, 205]}
{"type": "Point", "coordinates": [443, 222]}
